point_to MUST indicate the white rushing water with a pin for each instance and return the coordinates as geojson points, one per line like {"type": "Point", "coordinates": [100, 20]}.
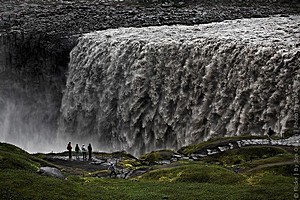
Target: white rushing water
{"type": "Point", "coordinates": [141, 89]}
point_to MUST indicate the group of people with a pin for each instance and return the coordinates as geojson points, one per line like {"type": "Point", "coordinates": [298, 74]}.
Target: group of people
{"type": "Point", "coordinates": [83, 150]}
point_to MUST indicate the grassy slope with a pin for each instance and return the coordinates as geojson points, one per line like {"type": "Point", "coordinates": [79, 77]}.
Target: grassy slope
{"type": "Point", "coordinates": [31, 186]}
{"type": "Point", "coordinates": [181, 180]}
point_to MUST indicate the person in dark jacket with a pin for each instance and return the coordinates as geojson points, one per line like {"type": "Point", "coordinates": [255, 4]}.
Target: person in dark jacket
{"type": "Point", "coordinates": [112, 169]}
{"type": "Point", "coordinates": [270, 132]}
{"type": "Point", "coordinates": [90, 151]}
{"type": "Point", "coordinates": [69, 147]}
{"type": "Point", "coordinates": [77, 149]}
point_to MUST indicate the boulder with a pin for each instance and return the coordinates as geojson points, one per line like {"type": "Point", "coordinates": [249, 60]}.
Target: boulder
{"type": "Point", "coordinates": [164, 162]}
{"type": "Point", "coordinates": [223, 148]}
{"type": "Point", "coordinates": [239, 143]}
{"type": "Point", "coordinates": [51, 171]}
{"type": "Point", "coordinates": [212, 151]}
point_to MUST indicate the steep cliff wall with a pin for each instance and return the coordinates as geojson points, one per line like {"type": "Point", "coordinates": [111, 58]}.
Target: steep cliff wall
{"type": "Point", "coordinates": [141, 89]}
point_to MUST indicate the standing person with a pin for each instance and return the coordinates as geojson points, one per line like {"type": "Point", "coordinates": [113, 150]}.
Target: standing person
{"type": "Point", "coordinates": [77, 149]}
{"type": "Point", "coordinates": [270, 132]}
{"type": "Point", "coordinates": [90, 151]}
{"type": "Point", "coordinates": [83, 149]}
{"type": "Point", "coordinates": [112, 169]}
{"type": "Point", "coordinates": [69, 147]}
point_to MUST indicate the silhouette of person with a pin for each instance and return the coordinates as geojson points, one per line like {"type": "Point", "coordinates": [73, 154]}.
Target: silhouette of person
{"type": "Point", "coordinates": [236, 169]}
{"type": "Point", "coordinates": [270, 132]}
{"type": "Point", "coordinates": [83, 149]}
{"type": "Point", "coordinates": [77, 149]}
{"type": "Point", "coordinates": [69, 147]}
{"type": "Point", "coordinates": [112, 169]}
{"type": "Point", "coordinates": [90, 151]}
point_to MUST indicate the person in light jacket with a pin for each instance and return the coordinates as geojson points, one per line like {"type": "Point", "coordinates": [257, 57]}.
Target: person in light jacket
{"type": "Point", "coordinates": [84, 150]}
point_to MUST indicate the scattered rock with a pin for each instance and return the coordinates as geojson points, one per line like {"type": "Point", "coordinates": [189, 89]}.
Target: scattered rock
{"type": "Point", "coordinates": [177, 156]}
{"type": "Point", "coordinates": [239, 143]}
{"type": "Point", "coordinates": [223, 148]}
{"type": "Point", "coordinates": [184, 158]}
{"type": "Point", "coordinates": [195, 158]}
{"type": "Point", "coordinates": [212, 151]}
{"type": "Point", "coordinates": [164, 162]}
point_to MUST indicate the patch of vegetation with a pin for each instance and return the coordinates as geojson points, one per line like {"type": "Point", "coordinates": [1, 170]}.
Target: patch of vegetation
{"type": "Point", "coordinates": [245, 154]}
{"type": "Point", "coordinates": [194, 172]}
{"type": "Point", "coordinates": [24, 184]}
{"type": "Point", "coordinates": [130, 164]}
{"type": "Point", "coordinates": [155, 156]}
{"type": "Point", "coordinates": [280, 158]}
{"type": "Point", "coordinates": [12, 149]}
{"type": "Point", "coordinates": [20, 184]}
{"type": "Point", "coordinates": [12, 157]}
{"type": "Point", "coordinates": [15, 161]}
{"type": "Point", "coordinates": [282, 170]}
{"type": "Point", "coordinates": [288, 133]}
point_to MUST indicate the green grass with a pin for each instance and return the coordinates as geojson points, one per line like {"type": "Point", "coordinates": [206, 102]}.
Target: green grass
{"type": "Point", "coordinates": [20, 184]}
{"type": "Point", "coordinates": [275, 159]}
{"type": "Point", "coordinates": [246, 154]}
{"type": "Point", "coordinates": [12, 157]}
{"type": "Point", "coordinates": [155, 156]}
{"type": "Point", "coordinates": [196, 172]}
{"type": "Point", "coordinates": [184, 180]}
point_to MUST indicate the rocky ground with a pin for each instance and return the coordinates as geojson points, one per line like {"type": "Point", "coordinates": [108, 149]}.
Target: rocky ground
{"type": "Point", "coordinates": [98, 165]}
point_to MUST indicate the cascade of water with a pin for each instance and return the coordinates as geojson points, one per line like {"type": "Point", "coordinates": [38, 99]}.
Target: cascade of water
{"type": "Point", "coordinates": [140, 89]}
{"type": "Point", "coordinates": [30, 94]}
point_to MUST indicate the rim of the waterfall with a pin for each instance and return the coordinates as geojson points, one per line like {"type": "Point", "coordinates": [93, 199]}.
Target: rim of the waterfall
{"type": "Point", "coordinates": [66, 18]}
{"type": "Point", "coordinates": [70, 2]}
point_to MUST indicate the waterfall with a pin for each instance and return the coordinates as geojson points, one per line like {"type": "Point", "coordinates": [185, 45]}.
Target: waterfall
{"type": "Point", "coordinates": [141, 89]}
{"type": "Point", "coordinates": [30, 93]}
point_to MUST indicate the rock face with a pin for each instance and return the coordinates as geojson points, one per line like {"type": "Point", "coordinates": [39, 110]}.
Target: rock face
{"type": "Point", "coordinates": [141, 89]}
{"type": "Point", "coordinates": [36, 38]}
